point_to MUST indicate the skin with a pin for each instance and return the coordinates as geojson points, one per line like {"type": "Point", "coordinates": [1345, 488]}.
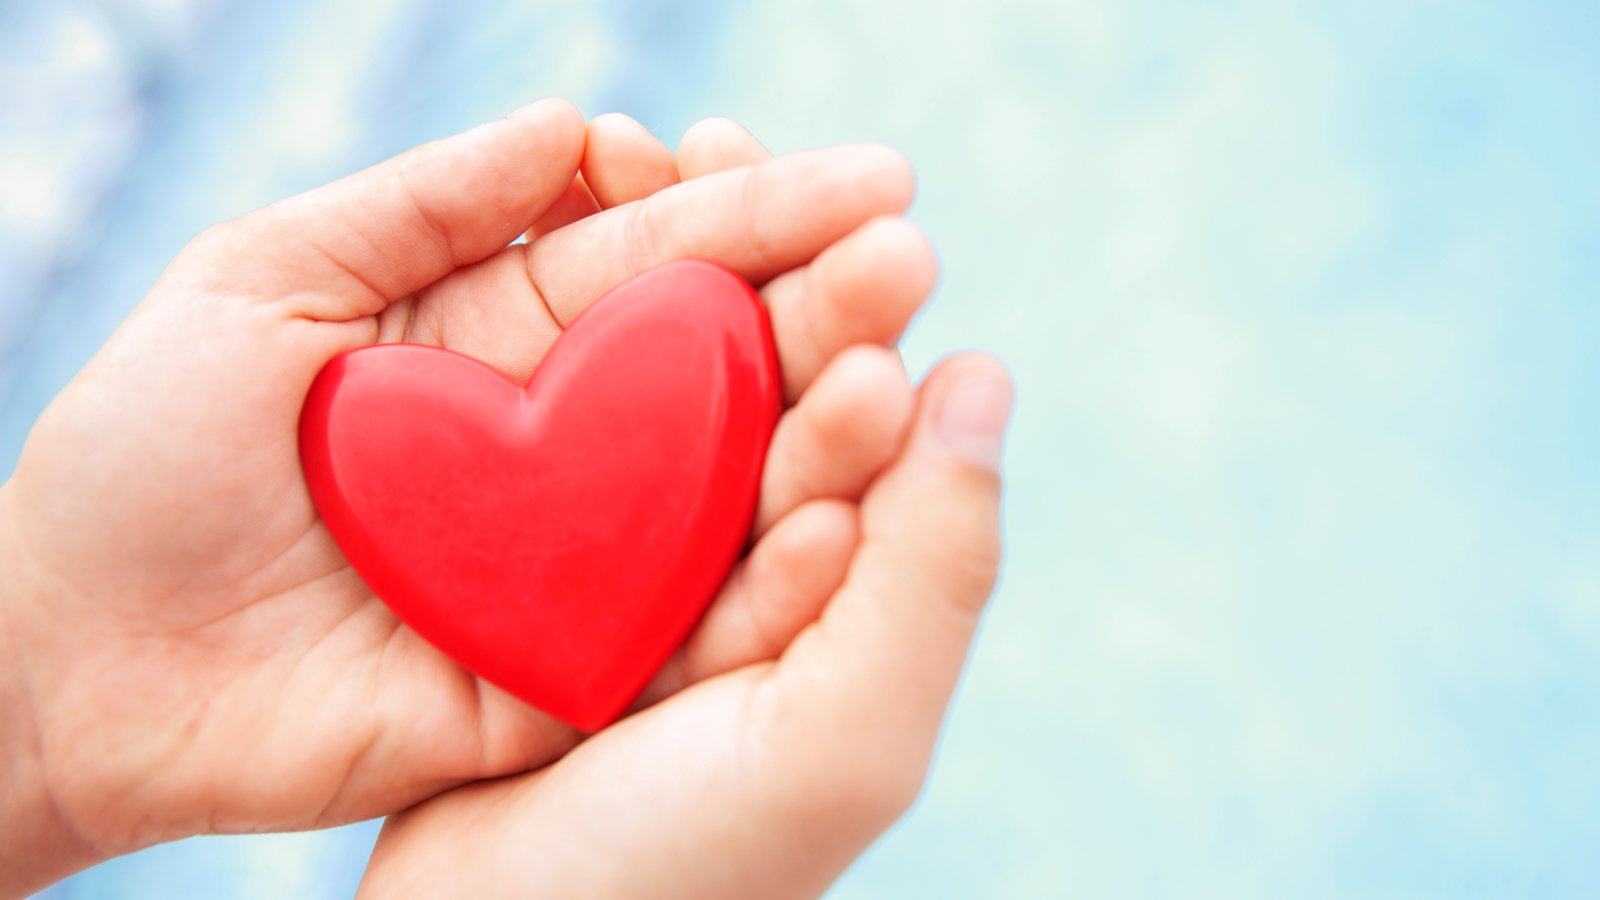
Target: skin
{"type": "Point", "coordinates": [768, 779]}
{"type": "Point", "coordinates": [242, 678]}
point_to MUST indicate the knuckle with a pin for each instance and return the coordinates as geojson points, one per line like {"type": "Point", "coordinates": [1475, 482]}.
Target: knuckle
{"type": "Point", "coordinates": [973, 571]}
{"type": "Point", "coordinates": [875, 788]}
{"type": "Point", "coordinates": [224, 247]}
{"type": "Point", "coordinates": [854, 767]}
{"type": "Point", "coordinates": [762, 250]}
{"type": "Point", "coordinates": [917, 256]}
{"type": "Point", "coordinates": [851, 794]}
{"type": "Point", "coordinates": [223, 238]}
{"type": "Point", "coordinates": [974, 562]}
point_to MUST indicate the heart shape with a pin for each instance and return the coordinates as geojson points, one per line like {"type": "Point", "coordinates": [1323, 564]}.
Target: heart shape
{"type": "Point", "coordinates": [558, 539]}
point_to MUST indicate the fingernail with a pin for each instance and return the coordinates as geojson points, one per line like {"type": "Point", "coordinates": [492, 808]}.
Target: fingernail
{"type": "Point", "coordinates": [971, 416]}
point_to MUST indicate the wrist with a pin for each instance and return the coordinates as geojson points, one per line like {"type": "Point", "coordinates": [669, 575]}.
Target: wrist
{"type": "Point", "coordinates": [38, 846]}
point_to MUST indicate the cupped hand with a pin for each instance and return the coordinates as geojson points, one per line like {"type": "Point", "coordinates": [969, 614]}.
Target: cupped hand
{"type": "Point", "coordinates": [767, 779]}
{"type": "Point", "coordinates": [192, 653]}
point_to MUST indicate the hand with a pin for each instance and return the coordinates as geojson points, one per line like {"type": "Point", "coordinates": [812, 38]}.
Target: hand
{"type": "Point", "coordinates": [768, 780]}
{"type": "Point", "coordinates": [190, 653]}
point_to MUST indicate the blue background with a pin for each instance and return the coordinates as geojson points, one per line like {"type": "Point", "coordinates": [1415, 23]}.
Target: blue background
{"type": "Point", "coordinates": [1303, 590]}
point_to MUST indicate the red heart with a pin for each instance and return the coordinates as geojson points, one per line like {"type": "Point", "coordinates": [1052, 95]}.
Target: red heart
{"type": "Point", "coordinates": [558, 539]}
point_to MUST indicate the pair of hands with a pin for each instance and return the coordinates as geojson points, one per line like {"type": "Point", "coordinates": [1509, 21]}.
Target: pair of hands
{"type": "Point", "coordinates": [187, 651]}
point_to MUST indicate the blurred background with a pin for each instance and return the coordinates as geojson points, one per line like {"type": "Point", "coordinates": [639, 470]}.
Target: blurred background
{"type": "Point", "coordinates": [1303, 590]}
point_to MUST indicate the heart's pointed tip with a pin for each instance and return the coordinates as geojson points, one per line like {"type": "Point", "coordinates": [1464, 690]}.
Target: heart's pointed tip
{"type": "Point", "coordinates": [581, 714]}
{"type": "Point", "coordinates": [591, 724]}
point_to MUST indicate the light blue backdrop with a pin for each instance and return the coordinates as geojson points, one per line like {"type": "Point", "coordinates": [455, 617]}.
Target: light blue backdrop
{"type": "Point", "coordinates": [1303, 596]}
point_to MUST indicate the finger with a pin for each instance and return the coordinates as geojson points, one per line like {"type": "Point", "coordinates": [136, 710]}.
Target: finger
{"type": "Point", "coordinates": [717, 145]}
{"type": "Point", "coordinates": [620, 154]}
{"type": "Point", "coordinates": [623, 162]}
{"type": "Point", "coordinates": [878, 669]}
{"type": "Point", "coordinates": [862, 290]}
{"type": "Point", "coordinates": [758, 220]}
{"type": "Point", "coordinates": [485, 311]}
{"type": "Point", "coordinates": [345, 250]}
{"type": "Point", "coordinates": [575, 203]}
{"type": "Point", "coordinates": [838, 436]}
{"type": "Point", "coordinates": [777, 590]}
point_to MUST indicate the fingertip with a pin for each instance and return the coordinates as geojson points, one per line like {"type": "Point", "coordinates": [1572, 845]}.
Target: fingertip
{"type": "Point", "coordinates": [817, 530]}
{"type": "Point", "coordinates": [886, 172]}
{"type": "Point", "coordinates": [714, 130]}
{"type": "Point", "coordinates": [624, 162]}
{"type": "Point", "coordinates": [906, 250]}
{"type": "Point", "coordinates": [871, 362]}
{"type": "Point", "coordinates": [556, 126]}
{"type": "Point", "coordinates": [889, 260]}
{"type": "Point", "coordinates": [864, 385]}
{"type": "Point", "coordinates": [967, 408]}
{"type": "Point", "coordinates": [867, 179]}
{"type": "Point", "coordinates": [864, 289]}
{"type": "Point", "coordinates": [845, 429]}
{"type": "Point", "coordinates": [549, 108]}
{"type": "Point", "coordinates": [616, 123]}
{"type": "Point", "coordinates": [799, 564]}
{"type": "Point", "coordinates": [717, 145]}
{"type": "Point", "coordinates": [613, 137]}
{"type": "Point", "coordinates": [556, 117]}
{"type": "Point", "coordinates": [962, 363]}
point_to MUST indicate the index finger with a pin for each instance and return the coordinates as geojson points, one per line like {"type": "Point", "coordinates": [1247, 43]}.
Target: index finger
{"type": "Point", "coordinates": [758, 220]}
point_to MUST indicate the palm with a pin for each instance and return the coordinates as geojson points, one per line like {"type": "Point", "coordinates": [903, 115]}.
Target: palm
{"type": "Point", "coordinates": [219, 603]}
{"type": "Point", "coordinates": [638, 792]}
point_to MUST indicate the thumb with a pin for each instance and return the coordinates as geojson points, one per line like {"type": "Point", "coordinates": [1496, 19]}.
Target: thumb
{"type": "Point", "coordinates": [346, 249]}
{"type": "Point", "coordinates": [877, 670]}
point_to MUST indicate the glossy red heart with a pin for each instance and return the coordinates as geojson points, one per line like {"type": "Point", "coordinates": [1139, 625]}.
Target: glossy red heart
{"type": "Point", "coordinates": [558, 539]}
